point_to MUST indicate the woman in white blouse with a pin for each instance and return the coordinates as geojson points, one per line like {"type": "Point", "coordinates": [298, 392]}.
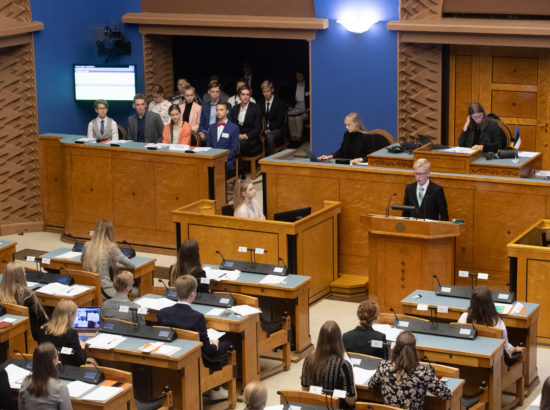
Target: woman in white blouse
{"type": "Point", "coordinates": [159, 104]}
{"type": "Point", "coordinates": [244, 202]}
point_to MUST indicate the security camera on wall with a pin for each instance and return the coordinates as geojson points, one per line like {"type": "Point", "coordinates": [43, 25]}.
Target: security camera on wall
{"type": "Point", "coordinates": [110, 42]}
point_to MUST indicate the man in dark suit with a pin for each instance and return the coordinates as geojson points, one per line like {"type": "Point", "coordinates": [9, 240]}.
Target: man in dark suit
{"type": "Point", "coordinates": [273, 111]}
{"type": "Point", "coordinates": [144, 126]}
{"type": "Point", "coordinates": [224, 135]}
{"type": "Point", "coordinates": [425, 195]}
{"type": "Point", "coordinates": [208, 112]}
{"type": "Point", "coordinates": [248, 117]}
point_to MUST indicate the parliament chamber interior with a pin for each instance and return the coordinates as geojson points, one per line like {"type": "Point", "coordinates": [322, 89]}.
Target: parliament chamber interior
{"type": "Point", "coordinates": [301, 204]}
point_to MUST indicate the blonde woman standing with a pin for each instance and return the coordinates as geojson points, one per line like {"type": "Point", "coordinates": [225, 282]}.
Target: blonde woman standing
{"type": "Point", "coordinates": [102, 255]}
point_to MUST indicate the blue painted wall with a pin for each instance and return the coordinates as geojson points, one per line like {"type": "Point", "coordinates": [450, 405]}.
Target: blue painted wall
{"type": "Point", "coordinates": [353, 72]}
{"type": "Point", "coordinates": [69, 38]}
{"type": "Point", "coordinates": [349, 72]}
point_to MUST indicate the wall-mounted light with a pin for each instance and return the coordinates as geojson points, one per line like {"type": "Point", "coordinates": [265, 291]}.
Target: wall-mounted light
{"type": "Point", "coordinates": [358, 21]}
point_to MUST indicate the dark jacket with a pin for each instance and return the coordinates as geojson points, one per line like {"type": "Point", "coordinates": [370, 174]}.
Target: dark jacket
{"type": "Point", "coordinates": [359, 340]}
{"type": "Point", "coordinates": [359, 145]}
{"type": "Point", "coordinates": [252, 125]}
{"type": "Point", "coordinates": [492, 135]}
{"type": "Point", "coordinates": [153, 127]}
{"type": "Point", "coordinates": [37, 316]}
{"type": "Point", "coordinates": [434, 204]}
{"type": "Point", "coordinates": [276, 116]}
{"type": "Point", "coordinates": [68, 339]}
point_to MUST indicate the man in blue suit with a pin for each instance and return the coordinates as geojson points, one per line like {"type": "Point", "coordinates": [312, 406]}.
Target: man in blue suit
{"type": "Point", "coordinates": [223, 134]}
{"type": "Point", "coordinates": [208, 112]}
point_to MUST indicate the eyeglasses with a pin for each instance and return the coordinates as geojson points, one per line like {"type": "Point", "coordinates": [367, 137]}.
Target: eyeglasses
{"type": "Point", "coordinates": [477, 116]}
{"type": "Point", "coordinates": [419, 174]}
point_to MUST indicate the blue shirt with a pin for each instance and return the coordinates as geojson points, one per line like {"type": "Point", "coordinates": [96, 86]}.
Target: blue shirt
{"type": "Point", "coordinates": [212, 114]}
{"type": "Point", "coordinates": [141, 129]}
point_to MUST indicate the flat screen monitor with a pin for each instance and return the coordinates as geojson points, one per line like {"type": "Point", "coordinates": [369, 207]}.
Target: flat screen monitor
{"type": "Point", "coordinates": [292, 216]}
{"type": "Point", "coordinates": [111, 83]}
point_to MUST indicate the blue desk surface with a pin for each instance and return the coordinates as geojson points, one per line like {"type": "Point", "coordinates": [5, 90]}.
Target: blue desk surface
{"type": "Point", "coordinates": [134, 343]}
{"type": "Point", "coordinates": [4, 243]}
{"type": "Point", "coordinates": [138, 146]}
{"type": "Point", "coordinates": [138, 260]}
{"type": "Point", "coordinates": [430, 298]}
{"type": "Point", "coordinates": [226, 314]}
{"type": "Point", "coordinates": [291, 281]}
{"type": "Point", "coordinates": [480, 346]}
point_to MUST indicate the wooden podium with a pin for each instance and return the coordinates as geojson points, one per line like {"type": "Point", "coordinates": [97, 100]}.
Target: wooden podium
{"type": "Point", "coordinates": [405, 254]}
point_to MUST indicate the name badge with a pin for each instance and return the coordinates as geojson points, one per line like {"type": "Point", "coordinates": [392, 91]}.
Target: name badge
{"type": "Point", "coordinates": [225, 135]}
{"type": "Point", "coordinates": [124, 308]}
{"type": "Point", "coordinates": [67, 350]}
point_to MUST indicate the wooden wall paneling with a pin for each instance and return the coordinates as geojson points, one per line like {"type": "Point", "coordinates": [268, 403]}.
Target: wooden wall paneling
{"type": "Point", "coordinates": [158, 62]}
{"type": "Point", "coordinates": [52, 181]}
{"type": "Point", "coordinates": [460, 204]}
{"type": "Point", "coordinates": [515, 70]}
{"type": "Point", "coordinates": [423, 9]}
{"type": "Point", "coordinates": [536, 280]}
{"type": "Point", "coordinates": [542, 138]}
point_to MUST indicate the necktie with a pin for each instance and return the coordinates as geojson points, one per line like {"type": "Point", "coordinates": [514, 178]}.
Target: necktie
{"type": "Point", "coordinates": [102, 127]}
{"type": "Point", "coordinates": [420, 195]}
{"type": "Point", "coordinates": [221, 124]}
{"type": "Point", "coordinates": [267, 109]}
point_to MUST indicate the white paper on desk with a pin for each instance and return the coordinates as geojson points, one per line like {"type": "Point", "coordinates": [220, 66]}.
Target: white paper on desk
{"type": "Point", "coordinates": [149, 347]}
{"type": "Point", "coordinates": [272, 279]}
{"type": "Point", "coordinates": [214, 334]}
{"type": "Point", "coordinates": [16, 375]}
{"type": "Point", "coordinates": [245, 310]}
{"type": "Point", "coordinates": [457, 150]}
{"type": "Point", "coordinates": [201, 149]}
{"type": "Point", "coordinates": [105, 341]}
{"type": "Point", "coordinates": [221, 274]}
{"type": "Point", "coordinates": [9, 319]}
{"type": "Point", "coordinates": [542, 173]}
{"type": "Point", "coordinates": [390, 332]}
{"type": "Point", "coordinates": [503, 308]}
{"type": "Point", "coordinates": [362, 376]}
{"type": "Point", "coordinates": [517, 308]}
{"type": "Point", "coordinates": [85, 139]}
{"type": "Point", "coordinates": [102, 393]}
{"type": "Point", "coordinates": [362, 164]}
{"type": "Point", "coordinates": [69, 255]}
{"type": "Point", "coordinates": [178, 147]}
{"type": "Point", "coordinates": [54, 288]}
{"type": "Point", "coordinates": [76, 290]}
{"type": "Point", "coordinates": [167, 350]}
{"type": "Point", "coordinates": [526, 154]}
{"type": "Point", "coordinates": [155, 304]}
{"type": "Point", "coordinates": [214, 312]}
{"type": "Point", "coordinates": [78, 388]}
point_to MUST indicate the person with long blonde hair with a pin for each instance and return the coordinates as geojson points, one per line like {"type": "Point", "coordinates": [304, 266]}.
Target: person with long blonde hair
{"type": "Point", "coordinates": [244, 201]}
{"type": "Point", "coordinates": [42, 389]}
{"type": "Point", "coordinates": [102, 255]}
{"type": "Point", "coordinates": [327, 366]}
{"type": "Point", "coordinates": [60, 332]}
{"type": "Point", "coordinates": [357, 143]}
{"type": "Point", "coordinates": [14, 290]}
{"type": "Point", "coordinates": [403, 380]}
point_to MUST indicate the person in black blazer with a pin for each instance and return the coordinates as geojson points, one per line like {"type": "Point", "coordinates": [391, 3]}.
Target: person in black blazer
{"type": "Point", "coordinates": [144, 126]}
{"type": "Point", "coordinates": [273, 111]}
{"type": "Point", "coordinates": [364, 339]}
{"type": "Point", "coordinates": [481, 131]}
{"type": "Point", "coordinates": [250, 125]}
{"type": "Point", "coordinates": [433, 204]}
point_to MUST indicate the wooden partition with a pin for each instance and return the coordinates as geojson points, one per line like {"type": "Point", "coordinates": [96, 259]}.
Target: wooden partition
{"type": "Point", "coordinates": [308, 246]}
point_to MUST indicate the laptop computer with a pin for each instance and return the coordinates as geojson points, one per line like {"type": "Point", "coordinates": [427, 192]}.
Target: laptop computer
{"type": "Point", "coordinates": [313, 158]}
{"type": "Point", "coordinates": [87, 322]}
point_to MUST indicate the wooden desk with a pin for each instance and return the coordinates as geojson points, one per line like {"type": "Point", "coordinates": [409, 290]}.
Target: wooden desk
{"type": "Point", "coordinates": [245, 326]}
{"type": "Point", "coordinates": [143, 270]}
{"type": "Point", "coordinates": [292, 295]}
{"type": "Point", "coordinates": [10, 334]}
{"type": "Point", "coordinates": [504, 167]}
{"type": "Point", "coordinates": [384, 159]}
{"type": "Point", "coordinates": [432, 402]}
{"type": "Point", "coordinates": [179, 371]}
{"type": "Point", "coordinates": [123, 400]}
{"type": "Point", "coordinates": [82, 299]}
{"type": "Point", "coordinates": [130, 185]}
{"type": "Point", "coordinates": [484, 202]}
{"type": "Point", "coordinates": [309, 246]}
{"type": "Point", "coordinates": [7, 250]}
{"type": "Point", "coordinates": [521, 327]}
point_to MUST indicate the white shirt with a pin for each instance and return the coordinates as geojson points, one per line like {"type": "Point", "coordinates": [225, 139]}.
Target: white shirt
{"type": "Point", "coordinates": [424, 190]}
{"type": "Point", "coordinates": [500, 325]}
{"type": "Point", "coordinates": [300, 93]}
{"type": "Point", "coordinates": [220, 128]}
{"type": "Point", "coordinates": [114, 128]}
{"type": "Point", "coordinates": [270, 102]}
{"type": "Point", "coordinates": [242, 114]}
{"type": "Point", "coordinates": [184, 303]}
{"type": "Point", "coordinates": [234, 100]}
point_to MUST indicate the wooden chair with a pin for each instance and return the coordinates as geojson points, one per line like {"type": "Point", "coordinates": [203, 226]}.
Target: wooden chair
{"type": "Point", "coordinates": [253, 160]}
{"type": "Point", "coordinates": [195, 139]}
{"type": "Point", "coordinates": [514, 374]}
{"type": "Point", "coordinates": [23, 342]}
{"type": "Point", "coordinates": [121, 132]}
{"type": "Point", "coordinates": [305, 397]}
{"type": "Point", "coordinates": [384, 133]}
{"type": "Point", "coordinates": [363, 405]}
{"type": "Point", "coordinates": [268, 342]}
{"type": "Point", "coordinates": [83, 277]}
{"type": "Point", "coordinates": [210, 380]}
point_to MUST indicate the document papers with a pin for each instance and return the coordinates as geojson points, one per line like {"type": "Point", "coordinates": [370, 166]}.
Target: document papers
{"type": "Point", "coordinates": [105, 341]}
{"type": "Point", "coordinates": [78, 388]}
{"type": "Point", "coordinates": [221, 274]}
{"type": "Point", "coordinates": [214, 334]}
{"type": "Point", "coordinates": [245, 310]}
{"type": "Point", "coordinates": [272, 280]}
{"type": "Point", "coordinates": [16, 375]}
{"type": "Point", "coordinates": [390, 332]}
{"type": "Point", "coordinates": [159, 348]}
{"type": "Point", "coordinates": [457, 150]}
{"type": "Point", "coordinates": [56, 288]}
{"type": "Point", "coordinates": [102, 393]}
{"type": "Point", "coordinates": [69, 255]}
{"type": "Point", "coordinates": [155, 303]}
{"type": "Point", "coordinates": [362, 376]}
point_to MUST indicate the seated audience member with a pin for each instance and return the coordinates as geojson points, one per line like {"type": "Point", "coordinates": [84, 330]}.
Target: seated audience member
{"type": "Point", "coordinates": [42, 389]}
{"type": "Point", "coordinates": [144, 126]}
{"type": "Point", "coordinates": [13, 289]}
{"type": "Point", "coordinates": [59, 331]}
{"type": "Point", "coordinates": [426, 196]}
{"type": "Point", "coordinates": [5, 391]}
{"type": "Point", "coordinates": [481, 131]}
{"type": "Point", "coordinates": [327, 367]}
{"type": "Point", "coordinates": [177, 131]}
{"type": "Point", "coordinates": [249, 119]}
{"type": "Point", "coordinates": [208, 113]}
{"type": "Point", "coordinates": [102, 255]}
{"type": "Point", "coordinates": [178, 96]}
{"type": "Point", "coordinates": [244, 201]}
{"type": "Point", "coordinates": [234, 99]}
{"type": "Point", "coordinates": [545, 395]}
{"type": "Point", "coordinates": [188, 263]}
{"type": "Point", "coordinates": [273, 111]}
{"type": "Point", "coordinates": [403, 380]}
{"type": "Point", "coordinates": [357, 143]}
{"type": "Point", "coordinates": [482, 311]}
{"type": "Point", "coordinates": [102, 127]}
{"type": "Point", "coordinates": [359, 340]}
{"type": "Point", "coordinates": [159, 104]}
{"type": "Point", "coordinates": [223, 134]}
{"type": "Point", "coordinates": [298, 109]}
{"type": "Point", "coordinates": [182, 316]}
{"type": "Point", "coordinates": [207, 97]}
{"type": "Point", "coordinates": [255, 396]}
{"type": "Point", "coordinates": [190, 109]}
{"type": "Point", "coordinates": [124, 283]}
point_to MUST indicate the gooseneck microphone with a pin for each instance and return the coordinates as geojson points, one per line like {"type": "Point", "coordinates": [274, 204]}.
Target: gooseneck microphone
{"type": "Point", "coordinates": [284, 263]}
{"type": "Point", "coordinates": [219, 253]}
{"type": "Point", "coordinates": [389, 203]}
{"type": "Point", "coordinates": [395, 314]}
{"type": "Point", "coordinates": [437, 279]}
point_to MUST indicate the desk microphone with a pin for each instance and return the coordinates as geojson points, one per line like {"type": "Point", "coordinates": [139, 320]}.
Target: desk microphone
{"type": "Point", "coordinates": [433, 316]}
{"type": "Point", "coordinates": [395, 314]}
{"type": "Point", "coordinates": [389, 203]}
{"type": "Point", "coordinates": [162, 281]}
{"type": "Point", "coordinates": [23, 356]}
{"type": "Point", "coordinates": [284, 263]}
{"type": "Point", "coordinates": [280, 393]}
{"type": "Point", "coordinates": [437, 279]}
{"type": "Point", "coordinates": [219, 253]}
